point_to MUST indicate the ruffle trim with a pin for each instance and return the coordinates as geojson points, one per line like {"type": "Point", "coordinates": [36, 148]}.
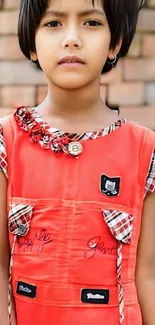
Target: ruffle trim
{"type": "Point", "coordinates": [38, 133]}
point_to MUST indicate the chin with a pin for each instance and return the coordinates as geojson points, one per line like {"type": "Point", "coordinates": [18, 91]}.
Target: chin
{"type": "Point", "coordinates": [71, 84]}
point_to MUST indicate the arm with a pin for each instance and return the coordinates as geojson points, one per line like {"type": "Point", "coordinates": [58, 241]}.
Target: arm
{"type": "Point", "coordinates": [4, 255]}
{"type": "Point", "coordinates": [145, 271]}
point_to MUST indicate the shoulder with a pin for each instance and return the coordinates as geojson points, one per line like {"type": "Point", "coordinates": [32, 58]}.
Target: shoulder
{"type": "Point", "coordinates": [148, 155]}
{"type": "Point", "coordinates": [142, 136]}
{"type": "Point", "coordinates": [137, 136]}
{"type": "Point", "coordinates": [150, 181]}
{"type": "Point", "coordinates": [145, 138]}
{"type": "Point", "coordinates": [6, 127]}
{"type": "Point", "coordinates": [140, 130]}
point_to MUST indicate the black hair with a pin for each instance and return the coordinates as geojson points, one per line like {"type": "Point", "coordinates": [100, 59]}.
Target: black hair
{"type": "Point", "coordinates": [122, 18]}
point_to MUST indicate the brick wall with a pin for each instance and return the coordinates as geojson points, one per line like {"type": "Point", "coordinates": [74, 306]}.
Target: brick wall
{"type": "Point", "coordinates": [131, 84]}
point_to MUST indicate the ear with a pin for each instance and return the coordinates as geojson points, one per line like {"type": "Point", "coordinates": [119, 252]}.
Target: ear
{"type": "Point", "coordinates": [115, 51]}
{"type": "Point", "coordinates": [33, 56]}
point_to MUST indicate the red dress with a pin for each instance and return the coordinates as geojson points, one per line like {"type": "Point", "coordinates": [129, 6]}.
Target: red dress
{"type": "Point", "coordinates": [75, 223]}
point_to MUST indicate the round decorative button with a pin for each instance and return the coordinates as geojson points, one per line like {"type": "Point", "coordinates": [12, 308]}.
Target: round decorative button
{"type": "Point", "coordinates": [75, 148]}
{"type": "Point", "coordinates": [22, 230]}
{"type": "Point", "coordinates": [46, 139]}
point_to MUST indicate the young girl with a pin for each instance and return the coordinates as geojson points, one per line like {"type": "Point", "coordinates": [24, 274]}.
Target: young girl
{"type": "Point", "coordinates": [77, 183]}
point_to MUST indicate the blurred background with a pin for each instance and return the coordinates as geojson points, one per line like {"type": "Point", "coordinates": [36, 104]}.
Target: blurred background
{"type": "Point", "coordinates": [131, 85]}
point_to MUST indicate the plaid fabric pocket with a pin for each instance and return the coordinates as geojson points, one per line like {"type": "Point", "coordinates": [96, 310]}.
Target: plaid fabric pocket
{"type": "Point", "coordinates": [20, 216]}
{"type": "Point", "coordinates": [120, 224]}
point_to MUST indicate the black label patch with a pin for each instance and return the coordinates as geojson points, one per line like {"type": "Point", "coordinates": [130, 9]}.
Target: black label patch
{"type": "Point", "coordinates": [27, 290]}
{"type": "Point", "coordinates": [110, 186]}
{"type": "Point", "coordinates": [95, 296]}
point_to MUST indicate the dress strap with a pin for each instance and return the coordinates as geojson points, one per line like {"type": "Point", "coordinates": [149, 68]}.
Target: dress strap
{"type": "Point", "coordinates": [9, 136]}
{"type": "Point", "coordinates": [145, 159]}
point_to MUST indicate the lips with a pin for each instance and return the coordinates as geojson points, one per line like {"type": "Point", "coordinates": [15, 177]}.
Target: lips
{"type": "Point", "coordinates": [71, 59]}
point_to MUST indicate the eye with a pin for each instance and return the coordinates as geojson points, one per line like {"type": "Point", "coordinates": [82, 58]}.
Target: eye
{"type": "Point", "coordinates": [93, 23]}
{"type": "Point", "coordinates": [53, 23]}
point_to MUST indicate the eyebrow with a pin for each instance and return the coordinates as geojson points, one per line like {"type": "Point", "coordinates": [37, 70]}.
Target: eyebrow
{"type": "Point", "coordinates": [80, 14]}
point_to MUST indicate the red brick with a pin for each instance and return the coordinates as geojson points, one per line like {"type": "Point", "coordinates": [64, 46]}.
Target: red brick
{"type": "Point", "coordinates": [8, 22]}
{"type": "Point", "coordinates": [41, 94]}
{"type": "Point", "coordinates": [14, 96]}
{"type": "Point", "coordinates": [20, 73]}
{"type": "Point", "coordinates": [11, 4]}
{"type": "Point", "coordinates": [135, 48]}
{"type": "Point", "coordinates": [11, 42]}
{"type": "Point", "coordinates": [126, 94]}
{"type": "Point", "coordinates": [146, 20]}
{"type": "Point", "coordinates": [150, 93]}
{"type": "Point", "coordinates": [141, 115]}
{"type": "Point", "coordinates": [148, 45]}
{"type": "Point", "coordinates": [139, 70]}
{"type": "Point", "coordinates": [150, 3]}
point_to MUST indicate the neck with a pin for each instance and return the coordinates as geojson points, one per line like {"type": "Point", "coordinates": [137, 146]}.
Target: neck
{"type": "Point", "coordinates": [76, 110]}
{"type": "Point", "coordinates": [78, 102]}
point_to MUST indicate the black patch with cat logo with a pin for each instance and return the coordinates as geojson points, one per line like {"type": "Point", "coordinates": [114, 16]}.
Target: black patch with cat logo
{"type": "Point", "coordinates": [110, 186]}
{"type": "Point", "coordinates": [26, 289]}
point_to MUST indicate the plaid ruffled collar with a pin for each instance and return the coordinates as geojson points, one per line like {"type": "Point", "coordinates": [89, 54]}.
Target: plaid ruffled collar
{"type": "Point", "coordinates": [50, 138]}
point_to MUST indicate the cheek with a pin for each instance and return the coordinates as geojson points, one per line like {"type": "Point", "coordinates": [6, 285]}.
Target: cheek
{"type": "Point", "coordinates": [45, 45]}
{"type": "Point", "coordinates": [101, 42]}
{"type": "Point", "coordinates": [100, 49]}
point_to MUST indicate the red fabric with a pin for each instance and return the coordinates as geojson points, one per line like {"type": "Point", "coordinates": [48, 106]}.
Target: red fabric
{"type": "Point", "coordinates": [57, 254]}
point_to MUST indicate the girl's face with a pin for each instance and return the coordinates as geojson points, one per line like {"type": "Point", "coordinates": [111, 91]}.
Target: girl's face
{"type": "Point", "coordinates": [73, 28]}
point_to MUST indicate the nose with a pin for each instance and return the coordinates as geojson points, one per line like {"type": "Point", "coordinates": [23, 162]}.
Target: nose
{"type": "Point", "coordinates": [72, 39]}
